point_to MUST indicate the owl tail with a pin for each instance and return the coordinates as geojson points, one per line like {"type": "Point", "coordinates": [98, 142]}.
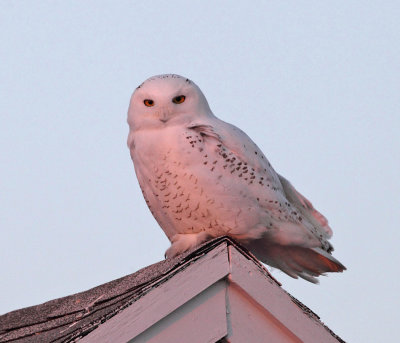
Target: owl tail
{"type": "Point", "coordinates": [307, 263]}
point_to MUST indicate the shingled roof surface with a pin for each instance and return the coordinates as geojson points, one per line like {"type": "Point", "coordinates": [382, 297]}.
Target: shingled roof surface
{"type": "Point", "coordinates": [70, 318]}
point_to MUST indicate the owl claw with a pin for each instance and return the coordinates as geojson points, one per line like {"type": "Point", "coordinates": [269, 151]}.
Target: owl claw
{"type": "Point", "coordinates": [183, 242]}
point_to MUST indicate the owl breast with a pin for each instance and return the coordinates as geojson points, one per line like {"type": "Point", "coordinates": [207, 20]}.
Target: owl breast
{"type": "Point", "coordinates": [193, 183]}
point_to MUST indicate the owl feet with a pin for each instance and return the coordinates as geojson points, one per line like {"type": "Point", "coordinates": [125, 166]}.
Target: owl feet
{"type": "Point", "coordinates": [182, 242]}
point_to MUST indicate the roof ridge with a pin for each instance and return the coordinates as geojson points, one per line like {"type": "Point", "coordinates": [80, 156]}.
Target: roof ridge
{"type": "Point", "coordinates": [72, 317]}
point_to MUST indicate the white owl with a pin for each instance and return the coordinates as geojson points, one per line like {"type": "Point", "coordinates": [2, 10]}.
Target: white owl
{"type": "Point", "coordinates": [203, 178]}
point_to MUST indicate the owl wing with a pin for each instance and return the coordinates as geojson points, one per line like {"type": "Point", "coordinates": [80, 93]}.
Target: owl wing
{"type": "Point", "coordinates": [238, 142]}
{"type": "Point", "coordinates": [300, 248]}
{"type": "Point", "coordinates": [305, 207]}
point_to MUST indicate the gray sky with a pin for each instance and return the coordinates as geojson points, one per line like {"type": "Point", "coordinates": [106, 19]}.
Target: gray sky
{"type": "Point", "coordinates": [314, 83]}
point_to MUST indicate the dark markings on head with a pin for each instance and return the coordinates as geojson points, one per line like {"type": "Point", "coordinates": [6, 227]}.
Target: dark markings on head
{"type": "Point", "coordinates": [165, 76]}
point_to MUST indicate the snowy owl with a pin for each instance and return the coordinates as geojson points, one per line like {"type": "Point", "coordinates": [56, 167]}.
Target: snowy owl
{"type": "Point", "coordinates": [203, 178]}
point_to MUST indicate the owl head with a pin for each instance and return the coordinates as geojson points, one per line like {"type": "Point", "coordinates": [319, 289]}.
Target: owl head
{"type": "Point", "coordinates": [165, 100]}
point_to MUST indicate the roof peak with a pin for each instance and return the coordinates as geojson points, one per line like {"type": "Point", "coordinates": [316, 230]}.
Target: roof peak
{"type": "Point", "coordinates": [71, 318]}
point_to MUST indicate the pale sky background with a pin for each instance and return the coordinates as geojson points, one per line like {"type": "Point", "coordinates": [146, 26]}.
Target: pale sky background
{"type": "Point", "coordinates": [316, 84]}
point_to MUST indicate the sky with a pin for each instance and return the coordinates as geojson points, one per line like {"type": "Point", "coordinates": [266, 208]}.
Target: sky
{"type": "Point", "coordinates": [314, 83]}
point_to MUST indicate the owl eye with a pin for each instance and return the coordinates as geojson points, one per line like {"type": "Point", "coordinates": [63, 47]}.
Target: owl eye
{"type": "Point", "coordinates": [178, 99]}
{"type": "Point", "coordinates": [148, 102]}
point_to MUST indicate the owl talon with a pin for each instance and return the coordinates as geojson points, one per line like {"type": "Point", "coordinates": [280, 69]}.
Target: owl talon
{"type": "Point", "coordinates": [183, 242]}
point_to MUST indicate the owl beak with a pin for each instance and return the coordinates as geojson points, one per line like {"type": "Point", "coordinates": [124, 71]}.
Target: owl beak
{"type": "Point", "coordinates": [164, 115]}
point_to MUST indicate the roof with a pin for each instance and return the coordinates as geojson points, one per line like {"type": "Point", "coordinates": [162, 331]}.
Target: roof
{"type": "Point", "coordinates": [83, 315]}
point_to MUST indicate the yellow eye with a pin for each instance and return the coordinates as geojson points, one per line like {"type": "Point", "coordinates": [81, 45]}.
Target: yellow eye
{"type": "Point", "coordinates": [178, 99]}
{"type": "Point", "coordinates": [148, 102]}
